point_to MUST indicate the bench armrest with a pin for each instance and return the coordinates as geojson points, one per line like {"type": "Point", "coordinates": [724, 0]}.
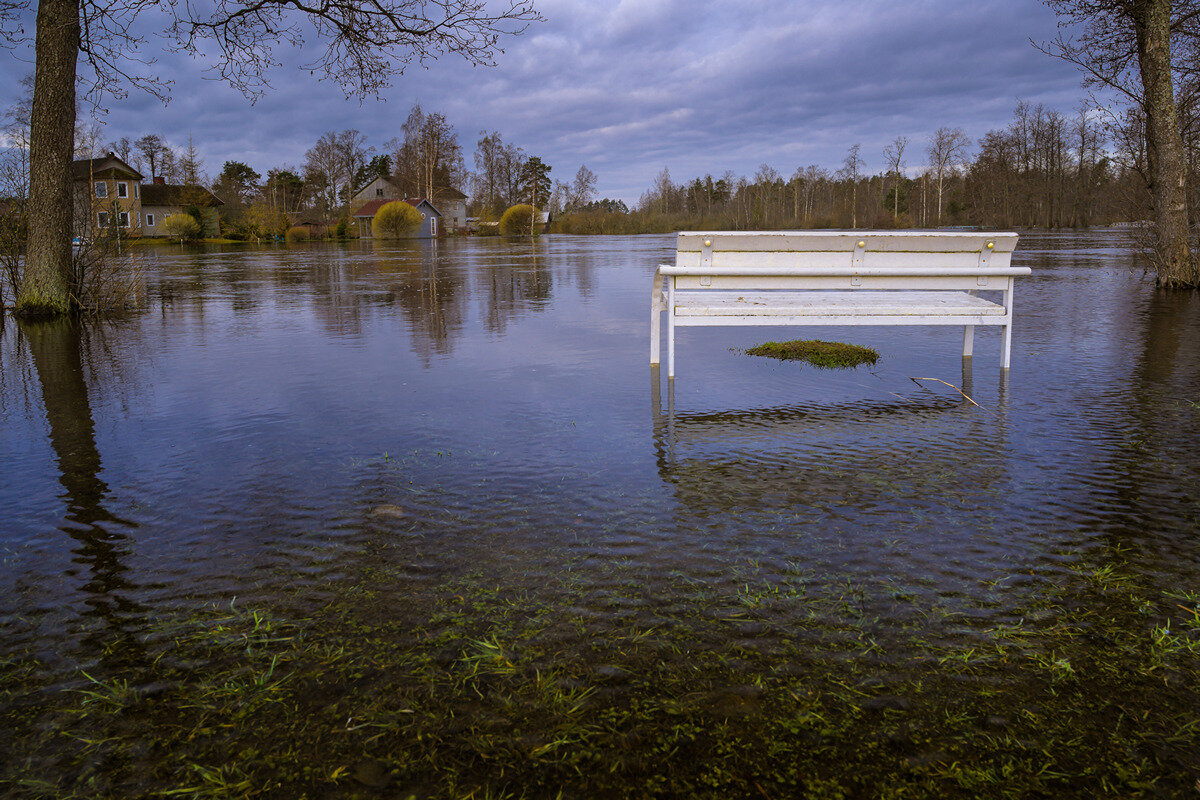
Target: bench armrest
{"type": "Point", "coordinates": [657, 302]}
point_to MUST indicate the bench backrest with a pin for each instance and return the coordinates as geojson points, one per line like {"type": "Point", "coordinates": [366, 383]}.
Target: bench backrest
{"type": "Point", "coordinates": [843, 259]}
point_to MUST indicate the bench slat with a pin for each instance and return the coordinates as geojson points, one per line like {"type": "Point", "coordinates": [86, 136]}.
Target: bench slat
{"type": "Point", "coordinates": [838, 269]}
{"type": "Point", "coordinates": [826, 260]}
{"type": "Point", "coordinates": [845, 241]}
{"type": "Point", "coordinates": [857, 304]}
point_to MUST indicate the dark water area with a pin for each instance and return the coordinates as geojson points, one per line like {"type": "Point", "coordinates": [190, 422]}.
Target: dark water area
{"type": "Point", "coordinates": [421, 521]}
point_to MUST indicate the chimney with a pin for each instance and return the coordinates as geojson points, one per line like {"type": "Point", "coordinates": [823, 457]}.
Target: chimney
{"type": "Point", "coordinates": [159, 180]}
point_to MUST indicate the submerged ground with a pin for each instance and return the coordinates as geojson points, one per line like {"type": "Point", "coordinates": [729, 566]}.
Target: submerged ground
{"type": "Point", "coordinates": [421, 522]}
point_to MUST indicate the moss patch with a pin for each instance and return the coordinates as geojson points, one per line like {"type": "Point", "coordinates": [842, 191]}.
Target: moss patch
{"type": "Point", "coordinates": [828, 355]}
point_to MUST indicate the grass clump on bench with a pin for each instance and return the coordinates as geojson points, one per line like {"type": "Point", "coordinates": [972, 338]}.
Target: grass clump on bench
{"type": "Point", "coordinates": [828, 355]}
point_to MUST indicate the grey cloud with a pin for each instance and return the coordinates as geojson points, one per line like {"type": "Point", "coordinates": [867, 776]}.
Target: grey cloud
{"type": "Point", "coordinates": [633, 86]}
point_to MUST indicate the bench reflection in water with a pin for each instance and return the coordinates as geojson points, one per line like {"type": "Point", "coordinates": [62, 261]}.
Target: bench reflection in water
{"type": "Point", "coordinates": [928, 449]}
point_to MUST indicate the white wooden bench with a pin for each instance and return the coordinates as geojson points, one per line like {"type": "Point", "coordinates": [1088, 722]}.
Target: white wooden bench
{"type": "Point", "coordinates": [836, 278]}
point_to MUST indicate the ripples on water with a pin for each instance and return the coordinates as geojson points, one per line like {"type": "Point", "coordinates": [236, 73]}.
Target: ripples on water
{"type": "Point", "coordinates": [281, 422]}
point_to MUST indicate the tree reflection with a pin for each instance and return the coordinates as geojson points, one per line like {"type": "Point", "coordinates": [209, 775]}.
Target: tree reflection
{"type": "Point", "coordinates": [522, 281]}
{"type": "Point", "coordinates": [1155, 460]}
{"type": "Point", "coordinates": [102, 547]}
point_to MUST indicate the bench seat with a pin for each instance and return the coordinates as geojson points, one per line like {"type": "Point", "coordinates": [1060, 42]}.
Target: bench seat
{"type": "Point", "coordinates": [836, 304]}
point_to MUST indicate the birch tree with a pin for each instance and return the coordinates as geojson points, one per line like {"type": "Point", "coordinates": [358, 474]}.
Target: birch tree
{"type": "Point", "coordinates": [894, 154]}
{"type": "Point", "coordinates": [850, 171]}
{"type": "Point", "coordinates": [947, 149]}
{"type": "Point", "coordinates": [583, 189]}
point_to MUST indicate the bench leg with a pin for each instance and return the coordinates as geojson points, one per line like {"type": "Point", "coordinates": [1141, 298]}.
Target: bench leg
{"type": "Point", "coordinates": [968, 340]}
{"type": "Point", "coordinates": [671, 342]}
{"type": "Point", "coordinates": [655, 337]}
{"type": "Point", "coordinates": [1006, 353]}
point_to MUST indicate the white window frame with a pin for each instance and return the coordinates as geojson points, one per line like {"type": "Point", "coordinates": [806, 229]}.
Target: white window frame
{"type": "Point", "coordinates": [123, 219]}
{"type": "Point", "coordinates": [433, 226]}
{"type": "Point", "coordinates": [137, 191]}
{"type": "Point", "coordinates": [101, 189]}
{"type": "Point", "coordinates": [102, 219]}
{"type": "Point", "coordinates": [149, 220]}
{"type": "Point", "coordinates": [122, 189]}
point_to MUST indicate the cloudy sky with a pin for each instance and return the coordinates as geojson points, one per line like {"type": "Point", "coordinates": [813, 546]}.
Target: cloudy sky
{"type": "Point", "coordinates": [631, 86]}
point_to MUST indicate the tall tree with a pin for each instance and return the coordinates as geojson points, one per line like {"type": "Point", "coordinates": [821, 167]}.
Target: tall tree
{"type": "Point", "coordinates": [947, 149]}
{"type": "Point", "coordinates": [488, 179]}
{"type": "Point", "coordinates": [152, 148]}
{"type": "Point", "coordinates": [535, 181]}
{"type": "Point", "coordinates": [338, 156]}
{"type": "Point", "coordinates": [584, 187]}
{"type": "Point", "coordinates": [366, 44]}
{"type": "Point", "coordinates": [850, 171]}
{"type": "Point", "coordinates": [428, 159]}
{"type": "Point", "coordinates": [283, 189]}
{"type": "Point", "coordinates": [1139, 48]}
{"type": "Point", "coordinates": [894, 154]}
{"type": "Point", "coordinates": [237, 184]}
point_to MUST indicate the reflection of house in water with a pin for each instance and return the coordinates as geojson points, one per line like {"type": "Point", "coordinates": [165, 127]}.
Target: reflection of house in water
{"type": "Point", "coordinates": [858, 457]}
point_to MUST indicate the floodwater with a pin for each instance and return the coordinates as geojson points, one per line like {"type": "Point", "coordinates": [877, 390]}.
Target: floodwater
{"type": "Point", "coordinates": [457, 449]}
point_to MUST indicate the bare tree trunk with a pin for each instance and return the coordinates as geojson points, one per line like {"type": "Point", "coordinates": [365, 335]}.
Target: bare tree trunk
{"type": "Point", "coordinates": [1168, 173]}
{"type": "Point", "coordinates": [46, 285]}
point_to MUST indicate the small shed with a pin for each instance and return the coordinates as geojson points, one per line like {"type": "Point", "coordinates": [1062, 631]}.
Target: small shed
{"type": "Point", "coordinates": [161, 200]}
{"type": "Point", "coordinates": [315, 224]}
{"type": "Point", "coordinates": [430, 217]}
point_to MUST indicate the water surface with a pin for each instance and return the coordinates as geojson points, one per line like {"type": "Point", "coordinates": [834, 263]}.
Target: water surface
{"type": "Point", "coordinates": [463, 439]}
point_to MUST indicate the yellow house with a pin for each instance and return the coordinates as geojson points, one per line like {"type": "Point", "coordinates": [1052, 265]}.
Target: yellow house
{"type": "Point", "coordinates": [108, 196]}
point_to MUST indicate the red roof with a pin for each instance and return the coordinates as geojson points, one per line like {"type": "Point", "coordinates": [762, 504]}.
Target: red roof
{"type": "Point", "coordinates": [372, 208]}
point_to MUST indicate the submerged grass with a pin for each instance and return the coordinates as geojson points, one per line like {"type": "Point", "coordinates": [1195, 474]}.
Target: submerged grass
{"type": "Point", "coordinates": [491, 691]}
{"type": "Point", "coordinates": [828, 355]}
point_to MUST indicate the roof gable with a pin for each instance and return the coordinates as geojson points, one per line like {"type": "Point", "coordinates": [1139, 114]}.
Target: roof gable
{"type": "Point", "coordinates": [87, 168]}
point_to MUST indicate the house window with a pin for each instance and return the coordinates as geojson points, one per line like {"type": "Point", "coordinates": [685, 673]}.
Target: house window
{"type": "Point", "coordinates": [379, 192]}
{"type": "Point", "coordinates": [102, 219]}
{"type": "Point", "coordinates": [123, 219]}
{"type": "Point", "coordinates": [149, 220]}
{"type": "Point", "coordinates": [101, 189]}
{"type": "Point", "coordinates": [122, 189]}
{"type": "Point", "coordinates": [137, 190]}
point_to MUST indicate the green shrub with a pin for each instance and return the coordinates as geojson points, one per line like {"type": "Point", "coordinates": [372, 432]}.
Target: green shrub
{"type": "Point", "coordinates": [516, 221]}
{"type": "Point", "coordinates": [343, 228]}
{"type": "Point", "coordinates": [395, 220]}
{"type": "Point", "coordinates": [183, 227]}
{"type": "Point", "coordinates": [297, 233]}
{"type": "Point", "coordinates": [830, 355]}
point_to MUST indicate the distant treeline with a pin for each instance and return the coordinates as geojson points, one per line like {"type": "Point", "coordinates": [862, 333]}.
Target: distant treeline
{"type": "Point", "coordinates": [1043, 170]}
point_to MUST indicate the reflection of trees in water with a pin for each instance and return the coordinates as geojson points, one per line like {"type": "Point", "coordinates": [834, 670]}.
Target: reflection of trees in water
{"type": "Point", "coordinates": [429, 291]}
{"type": "Point", "coordinates": [511, 287]}
{"type": "Point", "coordinates": [17, 379]}
{"type": "Point", "coordinates": [1156, 456]}
{"type": "Point", "coordinates": [343, 286]}
{"type": "Point", "coordinates": [581, 269]}
{"type": "Point", "coordinates": [331, 277]}
{"type": "Point", "coordinates": [102, 546]}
